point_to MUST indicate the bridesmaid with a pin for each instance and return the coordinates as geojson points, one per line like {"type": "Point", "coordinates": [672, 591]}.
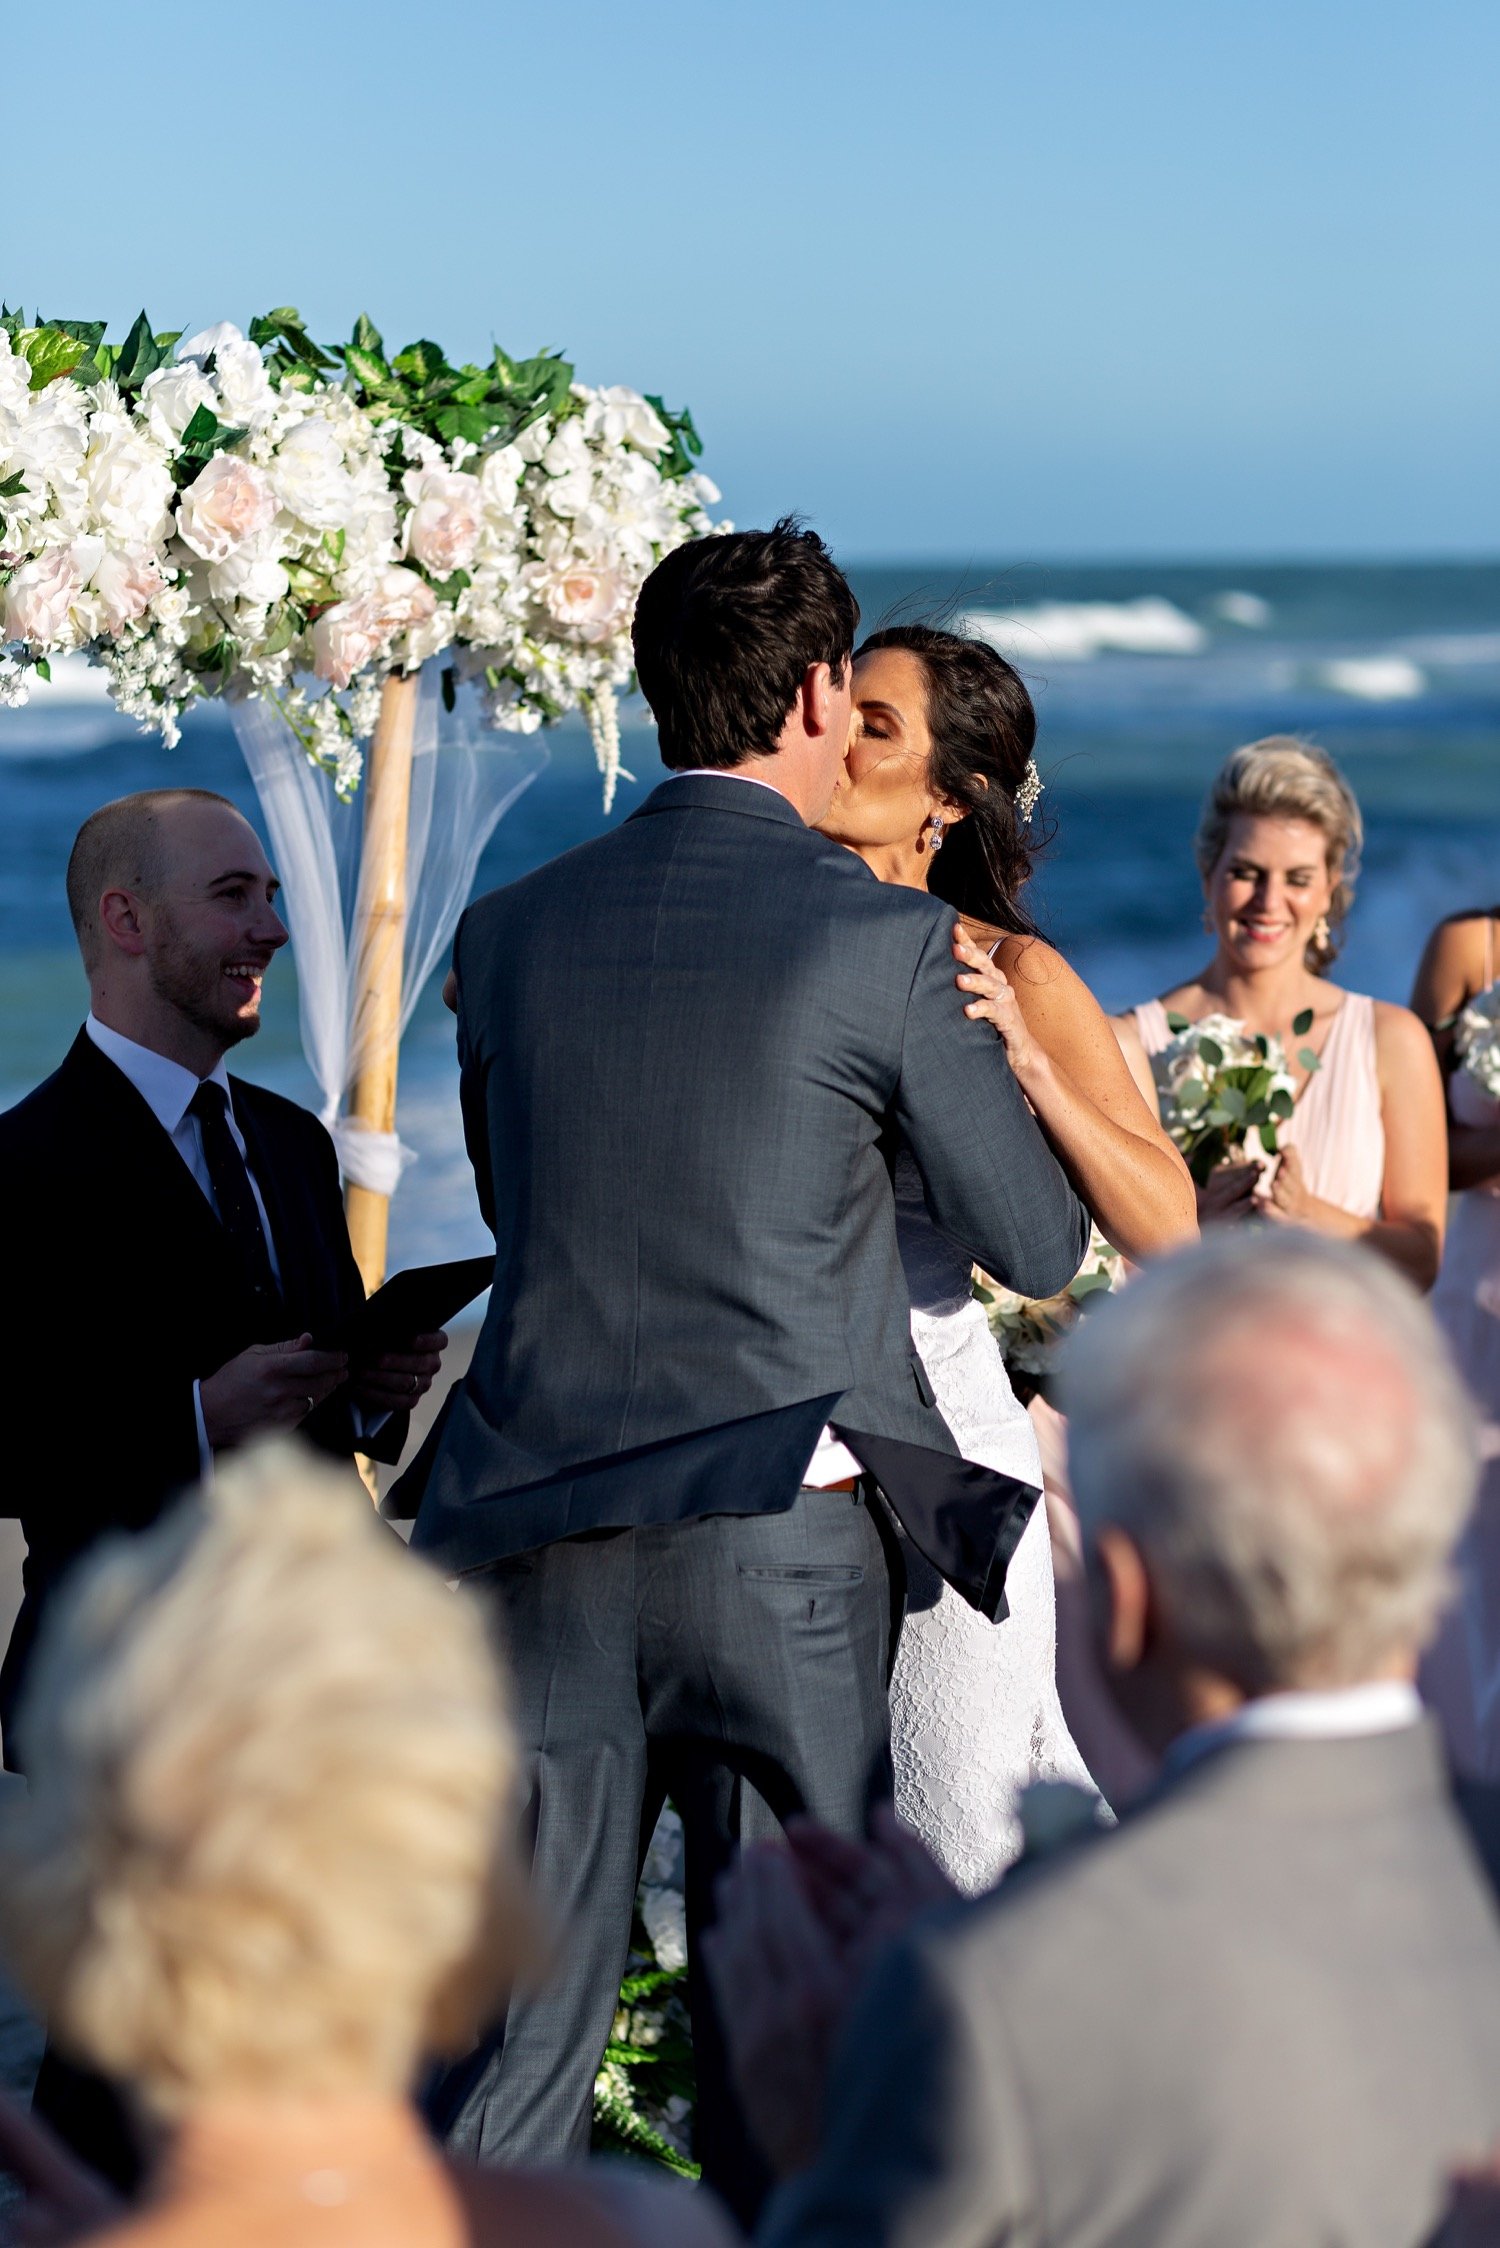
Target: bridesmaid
{"type": "Point", "coordinates": [1365, 1149]}
{"type": "Point", "coordinates": [1462, 1677]}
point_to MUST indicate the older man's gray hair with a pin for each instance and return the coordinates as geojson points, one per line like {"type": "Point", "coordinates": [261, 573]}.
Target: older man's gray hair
{"type": "Point", "coordinates": [1274, 1421]}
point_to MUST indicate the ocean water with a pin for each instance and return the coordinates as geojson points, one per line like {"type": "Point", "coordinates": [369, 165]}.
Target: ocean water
{"type": "Point", "coordinates": [1144, 676]}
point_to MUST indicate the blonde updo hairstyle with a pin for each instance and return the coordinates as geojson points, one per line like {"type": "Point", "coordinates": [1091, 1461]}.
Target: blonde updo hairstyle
{"type": "Point", "coordinates": [1284, 778]}
{"type": "Point", "coordinates": [270, 1842]}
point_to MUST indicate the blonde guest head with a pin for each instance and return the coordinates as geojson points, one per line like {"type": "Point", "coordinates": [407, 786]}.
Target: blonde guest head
{"type": "Point", "coordinates": [1287, 780]}
{"type": "Point", "coordinates": [269, 1848]}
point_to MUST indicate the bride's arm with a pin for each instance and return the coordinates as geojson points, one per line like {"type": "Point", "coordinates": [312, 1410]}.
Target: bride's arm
{"type": "Point", "coordinates": [1068, 1063]}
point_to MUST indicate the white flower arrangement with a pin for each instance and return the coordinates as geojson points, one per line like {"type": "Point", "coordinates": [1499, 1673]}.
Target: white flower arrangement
{"type": "Point", "coordinates": [1225, 1091]}
{"type": "Point", "coordinates": [233, 513]}
{"type": "Point", "coordinates": [1030, 1330]}
{"type": "Point", "coordinates": [1476, 1040]}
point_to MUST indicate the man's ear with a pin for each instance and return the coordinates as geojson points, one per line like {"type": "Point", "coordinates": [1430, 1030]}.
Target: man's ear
{"type": "Point", "coordinates": [1124, 1606]}
{"type": "Point", "coordinates": [817, 699]}
{"type": "Point", "coordinates": [120, 919]}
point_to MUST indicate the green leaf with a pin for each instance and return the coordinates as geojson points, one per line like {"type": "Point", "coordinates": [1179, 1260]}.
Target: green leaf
{"type": "Point", "coordinates": [140, 355]}
{"type": "Point", "coordinates": [1177, 1024]}
{"type": "Point", "coordinates": [1263, 1046]}
{"type": "Point", "coordinates": [471, 422]}
{"type": "Point", "coordinates": [421, 362]}
{"type": "Point", "coordinates": [1268, 1139]}
{"type": "Point", "coordinates": [90, 333]}
{"type": "Point", "coordinates": [1210, 1051]}
{"type": "Point", "coordinates": [43, 669]}
{"type": "Point", "coordinates": [1088, 1284]}
{"type": "Point", "coordinates": [449, 588]}
{"type": "Point", "coordinates": [1233, 1103]}
{"type": "Point", "coordinates": [13, 484]}
{"type": "Point", "coordinates": [1192, 1093]}
{"type": "Point", "coordinates": [373, 375]}
{"type": "Point", "coordinates": [287, 622]}
{"type": "Point", "coordinates": [1302, 1024]}
{"type": "Point", "coordinates": [367, 338]}
{"type": "Point", "coordinates": [50, 352]}
{"type": "Point", "coordinates": [1308, 1059]}
{"type": "Point", "coordinates": [283, 325]}
{"type": "Point", "coordinates": [1282, 1104]}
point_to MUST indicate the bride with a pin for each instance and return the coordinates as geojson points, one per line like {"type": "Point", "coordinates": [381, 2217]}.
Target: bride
{"type": "Point", "coordinates": [940, 782]}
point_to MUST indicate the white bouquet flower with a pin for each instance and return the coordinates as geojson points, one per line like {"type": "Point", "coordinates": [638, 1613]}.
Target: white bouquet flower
{"type": "Point", "coordinates": [1031, 1329]}
{"type": "Point", "coordinates": [1476, 1041]}
{"type": "Point", "coordinates": [1222, 1088]}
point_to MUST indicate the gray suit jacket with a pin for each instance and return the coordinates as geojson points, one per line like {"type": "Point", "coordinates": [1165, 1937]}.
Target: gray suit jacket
{"type": "Point", "coordinates": [1263, 2013]}
{"type": "Point", "coordinates": [687, 1051]}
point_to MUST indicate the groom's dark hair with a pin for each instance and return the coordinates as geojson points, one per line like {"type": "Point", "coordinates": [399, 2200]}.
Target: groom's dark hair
{"type": "Point", "coordinates": [725, 631]}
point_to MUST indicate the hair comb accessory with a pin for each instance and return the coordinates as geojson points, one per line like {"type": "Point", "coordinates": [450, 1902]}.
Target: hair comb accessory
{"type": "Point", "coordinates": [1028, 795]}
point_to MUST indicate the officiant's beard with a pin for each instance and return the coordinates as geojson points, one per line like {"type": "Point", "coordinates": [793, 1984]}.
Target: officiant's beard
{"type": "Point", "coordinates": [192, 983]}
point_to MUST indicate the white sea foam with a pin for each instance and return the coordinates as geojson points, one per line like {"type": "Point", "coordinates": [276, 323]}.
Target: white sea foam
{"type": "Point", "coordinates": [1247, 609]}
{"type": "Point", "coordinates": [1375, 678]}
{"type": "Point", "coordinates": [1073, 631]}
{"type": "Point", "coordinates": [1457, 649]}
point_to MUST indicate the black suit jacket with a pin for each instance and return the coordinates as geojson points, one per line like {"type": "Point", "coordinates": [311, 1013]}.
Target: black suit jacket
{"type": "Point", "coordinates": [687, 1052]}
{"type": "Point", "coordinates": [125, 1290]}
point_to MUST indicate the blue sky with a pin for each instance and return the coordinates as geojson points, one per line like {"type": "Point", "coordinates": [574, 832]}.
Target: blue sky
{"type": "Point", "coordinates": [1129, 277]}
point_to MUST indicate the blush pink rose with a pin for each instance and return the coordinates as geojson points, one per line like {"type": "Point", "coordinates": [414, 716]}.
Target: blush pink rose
{"type": "Point", "coordinates": [127, 584]}
{"type": "Point", "coordinates": [230, 502]}
{"type": "Point", "coordinates": [443, 528]}
{"type": "Point", "coordinates": [352, 634]}
{"type": "Point", "coordinates": [40, 596]}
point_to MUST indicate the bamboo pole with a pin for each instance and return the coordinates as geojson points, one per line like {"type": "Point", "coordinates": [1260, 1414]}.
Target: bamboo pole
{"type": "Point", "coordinates": [377, 1001]}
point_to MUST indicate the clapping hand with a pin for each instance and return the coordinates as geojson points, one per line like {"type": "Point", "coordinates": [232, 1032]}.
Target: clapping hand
{"type": "Point", "coordinates": [393, 1381]}
{"type": "Point", "coordinates": [797, 1928]}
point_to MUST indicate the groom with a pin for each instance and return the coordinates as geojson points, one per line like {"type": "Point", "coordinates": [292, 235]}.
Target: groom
{"type": "Point", "coordinates": [687, 1049]}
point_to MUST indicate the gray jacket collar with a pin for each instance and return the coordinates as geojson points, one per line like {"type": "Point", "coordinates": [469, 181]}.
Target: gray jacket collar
{"type": "Point", "coordinates": [719, 792]}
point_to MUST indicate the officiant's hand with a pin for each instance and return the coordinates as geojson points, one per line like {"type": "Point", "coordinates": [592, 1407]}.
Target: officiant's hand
{"type": "Point", "coordinates": [269, 1386]}
{"type": "Point", "coordinates": [1228, 1197]}
{"type": "Point", "coordinates": [393, 1382]}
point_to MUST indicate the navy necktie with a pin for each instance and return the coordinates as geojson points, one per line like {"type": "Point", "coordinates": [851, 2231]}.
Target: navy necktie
{"type": "Point", "coordinates": [238, 1211]}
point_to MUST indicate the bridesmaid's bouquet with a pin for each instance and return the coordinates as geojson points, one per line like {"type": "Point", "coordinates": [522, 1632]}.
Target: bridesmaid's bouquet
{"type": "Point", "coordinates": [1476, 1041]}
{"type": "Point", "coordinates": [1222, 1088]}
{"type": "Point", "coordinates": [1030, 1330]}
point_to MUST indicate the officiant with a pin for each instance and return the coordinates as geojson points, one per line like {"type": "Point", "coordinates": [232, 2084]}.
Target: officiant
{"type": "Point", "coordinates": [179, 1265]}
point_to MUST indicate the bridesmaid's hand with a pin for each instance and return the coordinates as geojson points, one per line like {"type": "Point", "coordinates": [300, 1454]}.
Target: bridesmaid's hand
{"type": "Point", "coordinates": [1289, 1199]}
{"type": "Point", "coordinates": [1229, 1196]}
{"type": "Point", "coordinates": [994, 1001]}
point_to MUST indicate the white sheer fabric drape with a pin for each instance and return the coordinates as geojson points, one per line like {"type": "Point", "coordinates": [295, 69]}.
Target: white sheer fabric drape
{"type": "Point", "coordinates": [465, 777]}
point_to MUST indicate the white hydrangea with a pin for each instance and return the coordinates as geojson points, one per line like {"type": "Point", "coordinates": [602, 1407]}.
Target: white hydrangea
{"type": "Point", "coordinates": [1476, 1041]}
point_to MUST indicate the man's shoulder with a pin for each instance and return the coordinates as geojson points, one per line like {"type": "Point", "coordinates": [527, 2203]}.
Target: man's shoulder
{"type": "Point", "coordinates": [39, 1115]}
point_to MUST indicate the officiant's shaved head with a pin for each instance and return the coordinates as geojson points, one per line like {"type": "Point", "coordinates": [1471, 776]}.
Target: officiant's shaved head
{"type": "Point", "coordinates": [127, 845]}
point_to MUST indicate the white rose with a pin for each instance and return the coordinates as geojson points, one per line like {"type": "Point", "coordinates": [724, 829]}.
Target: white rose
{"type": "Point", "coordinates": [498, 478]}
{"type": "Point", "coordinates": [41, 594]}
{"type": "Point", "coordinates": [15, 379]}
{"type": "Point", "coordinates": [129, 484]}
{"type": "Point", "coordinates": [442, 530]}
{"type": "Point", "coordinates": [127, 584]}
{"type": "Point", "coordinates": [171, 397]}
{"type": "Point", "coordinates": [251, 573]}
{"type": "Point", "coordinates": [246, 398]}
{"type": "Point", "coordinates": [568, 450]}
{"type": "Point", "coordinates": [310, 477]}
{"type": "Point", "coordinates": [584, 596]}
{"type": "Point", "coordinates": [622, 417]}
{"type": "Point", "coordinates": [228, 504]}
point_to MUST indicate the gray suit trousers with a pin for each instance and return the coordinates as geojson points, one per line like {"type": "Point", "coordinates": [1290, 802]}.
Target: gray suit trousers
{"type": "Point", "coordinates": [735, 1662]}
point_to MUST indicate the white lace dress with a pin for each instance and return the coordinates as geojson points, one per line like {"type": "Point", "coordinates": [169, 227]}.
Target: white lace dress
{"type": "Point", "coordinates": [975, 1716]}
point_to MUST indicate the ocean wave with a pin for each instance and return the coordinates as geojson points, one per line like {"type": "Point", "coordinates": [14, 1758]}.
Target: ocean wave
{"type": "Point", "coordinates": [1457, 649]}
{"type": "Point", "coordinates": [1247, 609]}
{"type": "Point", "coordinates": [1387, 678]}
{"type": "Point", "coordinates": [1073, 631]}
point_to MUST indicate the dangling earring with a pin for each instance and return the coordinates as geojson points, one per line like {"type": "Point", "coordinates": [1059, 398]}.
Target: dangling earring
{"type": "Point", "coordinates": [1321, 932]}
{"type": "Point", "coordinates": [936, 842]}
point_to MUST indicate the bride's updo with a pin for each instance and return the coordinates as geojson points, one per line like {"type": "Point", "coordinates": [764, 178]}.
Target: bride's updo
{"type": "Point", "coordinates": [983, 729]}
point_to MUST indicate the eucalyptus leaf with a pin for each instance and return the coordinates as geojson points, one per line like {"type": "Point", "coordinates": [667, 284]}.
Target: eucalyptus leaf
{"type": "Point", "coordinates": [1192, 1093]}
{"type": "Point", "coordinates": [1282, 1104]}
{"type": "Point", "coordinates": [1268, 1139]}
{"type": "Point", "coordinates": [1308, 1059]}
{"type": "Point", "coordinates": [1210, 1051]}
{"type": "Point", "coordinates": [1177, 1024]}
{"type": "Point", "coordinates": [1302, 1024]}
{"type": "Point", "coordinates": [1232, 1102]}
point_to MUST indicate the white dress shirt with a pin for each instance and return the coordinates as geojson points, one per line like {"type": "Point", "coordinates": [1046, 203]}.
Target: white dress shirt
{"type": "Point", "coordinates": [832, 1462]}
{"type": "Point", "coordinates": [1342, 1713]}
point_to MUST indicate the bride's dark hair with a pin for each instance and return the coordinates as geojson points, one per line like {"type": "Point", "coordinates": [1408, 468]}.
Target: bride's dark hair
{"type": "Point", "coordinates": [983, 728]}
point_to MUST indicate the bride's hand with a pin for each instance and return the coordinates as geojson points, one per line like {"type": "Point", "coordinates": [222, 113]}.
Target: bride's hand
{"type": "Point", "coordinates": [994, 1001]}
